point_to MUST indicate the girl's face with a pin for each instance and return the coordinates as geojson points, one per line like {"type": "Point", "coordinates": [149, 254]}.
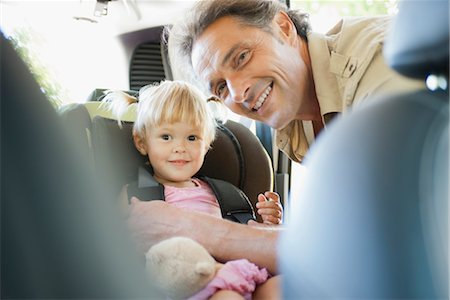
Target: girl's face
{"type": "Point", "coordinates": [175, 151]}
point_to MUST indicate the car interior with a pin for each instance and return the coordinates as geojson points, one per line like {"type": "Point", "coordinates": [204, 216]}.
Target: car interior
{"type": "Point", "coordinates": [355, 234]}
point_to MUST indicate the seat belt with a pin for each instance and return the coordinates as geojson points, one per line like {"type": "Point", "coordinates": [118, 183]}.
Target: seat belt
{"type": "Point", "coordinates": [264, 133]}
{"type": "Point", "coordinates": [146, 188]}
{"type": "Point", "coordinates": [281, 165]}
{"type": "Point", "coordinates": [234, 204]}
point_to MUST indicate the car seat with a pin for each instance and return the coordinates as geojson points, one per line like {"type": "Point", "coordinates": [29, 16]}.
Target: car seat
{"type": "Point", "coordinates": [236, 156]}
{"type": "Point", "coordinates": [371, 221]}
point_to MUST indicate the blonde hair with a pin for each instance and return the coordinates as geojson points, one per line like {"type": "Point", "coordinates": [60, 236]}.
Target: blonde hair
{"type": "Point", "coordinates": [166, 102]}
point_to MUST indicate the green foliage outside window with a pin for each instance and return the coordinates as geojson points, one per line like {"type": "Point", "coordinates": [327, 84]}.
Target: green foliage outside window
{"type": "Point", "coordinates": [25, 41]}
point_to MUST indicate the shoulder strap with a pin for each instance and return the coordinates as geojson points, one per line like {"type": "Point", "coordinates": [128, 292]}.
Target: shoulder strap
{"type": "Point", "coordinates": [146, 188]}
{"type": "Point", "coordinates": [234, 204]}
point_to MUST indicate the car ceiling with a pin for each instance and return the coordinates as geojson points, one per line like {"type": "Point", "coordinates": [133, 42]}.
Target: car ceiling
{"type": "Point", "coordinates": [122, 15]}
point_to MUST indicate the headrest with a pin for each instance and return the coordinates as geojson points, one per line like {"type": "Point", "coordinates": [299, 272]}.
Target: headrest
{"type": "Point", "coordinates": [418, 42]}
{"type": "Point", "coordinates": [99, 94]}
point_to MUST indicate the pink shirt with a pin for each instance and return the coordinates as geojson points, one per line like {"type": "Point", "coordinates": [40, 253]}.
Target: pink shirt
{"type": "Point", "coordinates": [199, 198]}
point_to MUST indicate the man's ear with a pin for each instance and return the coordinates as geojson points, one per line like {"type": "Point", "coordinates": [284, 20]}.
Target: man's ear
{"type": "Point", "coordinates": [286, 27]}
{"type": "Point", "coordinates": [139, 142]}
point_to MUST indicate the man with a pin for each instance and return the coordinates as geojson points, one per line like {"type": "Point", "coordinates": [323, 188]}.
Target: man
{"type": "Point", "coordinates": [263, 62]}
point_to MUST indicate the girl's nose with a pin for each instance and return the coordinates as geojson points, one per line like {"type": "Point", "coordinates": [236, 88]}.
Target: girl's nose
{"type": "Point", "coordinates": [180, 148]}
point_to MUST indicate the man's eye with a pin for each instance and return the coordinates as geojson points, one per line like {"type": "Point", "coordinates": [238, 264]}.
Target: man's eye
{"type": "Point", "coordinates": [243, 56]}
{"type": "Point", "coordinates": [165, 137]}
{"type": "Point", "coordinates": [192, 138]}
{"type": "Point", "coordinates": [221, 89]}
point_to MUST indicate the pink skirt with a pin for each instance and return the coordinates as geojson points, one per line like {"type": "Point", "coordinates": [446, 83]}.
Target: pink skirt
{"type": "Point", "coordinates": [240, 276]}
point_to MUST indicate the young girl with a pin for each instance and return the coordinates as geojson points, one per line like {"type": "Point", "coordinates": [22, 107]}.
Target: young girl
{"type": "Point", "coordinates": [174, 128]}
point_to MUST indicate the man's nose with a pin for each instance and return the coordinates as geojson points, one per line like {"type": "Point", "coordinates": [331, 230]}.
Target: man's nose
{"type": "Point", "coordinates": [238, 89]}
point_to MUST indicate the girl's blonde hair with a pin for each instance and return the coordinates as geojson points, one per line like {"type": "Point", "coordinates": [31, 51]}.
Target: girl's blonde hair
{"type": "Point", "coordinates": [166, 102]}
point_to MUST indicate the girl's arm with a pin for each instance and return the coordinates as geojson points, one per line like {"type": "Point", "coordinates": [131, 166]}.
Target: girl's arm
{"type": "Point", "coordinates": [269, 208]}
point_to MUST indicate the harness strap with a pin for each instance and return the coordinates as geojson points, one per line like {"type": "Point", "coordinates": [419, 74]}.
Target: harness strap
{"type": "Point", "coordinates": [233, 203]}
{"type": "Point", "coordinates": [146, 188]}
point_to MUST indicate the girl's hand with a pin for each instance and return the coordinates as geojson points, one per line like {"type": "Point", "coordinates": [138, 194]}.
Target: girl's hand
{"type": "Point", "coordinates": [270, 209]}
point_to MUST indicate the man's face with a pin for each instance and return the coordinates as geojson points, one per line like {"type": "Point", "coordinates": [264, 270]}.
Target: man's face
{"type": "Point", "coordinates": [258, 74]}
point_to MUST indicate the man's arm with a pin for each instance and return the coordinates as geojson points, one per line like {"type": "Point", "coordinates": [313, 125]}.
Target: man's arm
{"type": "Point", "coordinates": [153, 221]}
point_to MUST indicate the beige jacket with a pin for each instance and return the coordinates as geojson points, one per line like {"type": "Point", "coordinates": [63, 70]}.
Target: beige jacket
{"type": "Point", "coordinates": [348, 67]}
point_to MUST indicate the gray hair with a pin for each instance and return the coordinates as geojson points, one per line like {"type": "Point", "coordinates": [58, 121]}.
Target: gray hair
{"type": "Point", "coordinates": [257, 13]}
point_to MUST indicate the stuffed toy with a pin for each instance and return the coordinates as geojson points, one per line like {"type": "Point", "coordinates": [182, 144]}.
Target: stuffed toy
{"type": "Point", "coordinates": [181, 268]}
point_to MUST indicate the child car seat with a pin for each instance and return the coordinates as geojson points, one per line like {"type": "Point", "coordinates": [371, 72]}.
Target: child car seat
{"type": "Point", "coordinates": [236, 156]}
{"type": "Point", "coordinates": [372, 217]}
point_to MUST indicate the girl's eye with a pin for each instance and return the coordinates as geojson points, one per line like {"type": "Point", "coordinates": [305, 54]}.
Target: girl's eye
{"type": "Point", "coordinates": [192, 138]}
{"type": "Point", "coordinates": [165, 137]}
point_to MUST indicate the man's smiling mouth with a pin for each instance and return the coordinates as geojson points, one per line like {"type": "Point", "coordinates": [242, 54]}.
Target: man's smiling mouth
{"type": "Point", "coordinates": [262, 98]}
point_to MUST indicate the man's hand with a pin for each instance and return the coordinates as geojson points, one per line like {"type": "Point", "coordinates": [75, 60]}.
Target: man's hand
{"type": "Point", "coordinates": [150, 222]}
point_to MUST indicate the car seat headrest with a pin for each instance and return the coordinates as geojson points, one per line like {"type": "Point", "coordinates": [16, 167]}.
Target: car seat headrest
{"type": "Point", "coordinates": [99, 94]}
{"type": "Point", "coordinates": [116, 158]}
{"type": "Point", "coordinates": [418, 42]}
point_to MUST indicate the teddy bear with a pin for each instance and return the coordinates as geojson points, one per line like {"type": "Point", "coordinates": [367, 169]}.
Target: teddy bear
{"type": "Point", "coordinates": [181, 268]}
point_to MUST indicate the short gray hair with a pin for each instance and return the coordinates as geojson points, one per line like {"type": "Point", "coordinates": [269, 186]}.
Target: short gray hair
{"type": "Point", "coordinates": [257, 13]}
